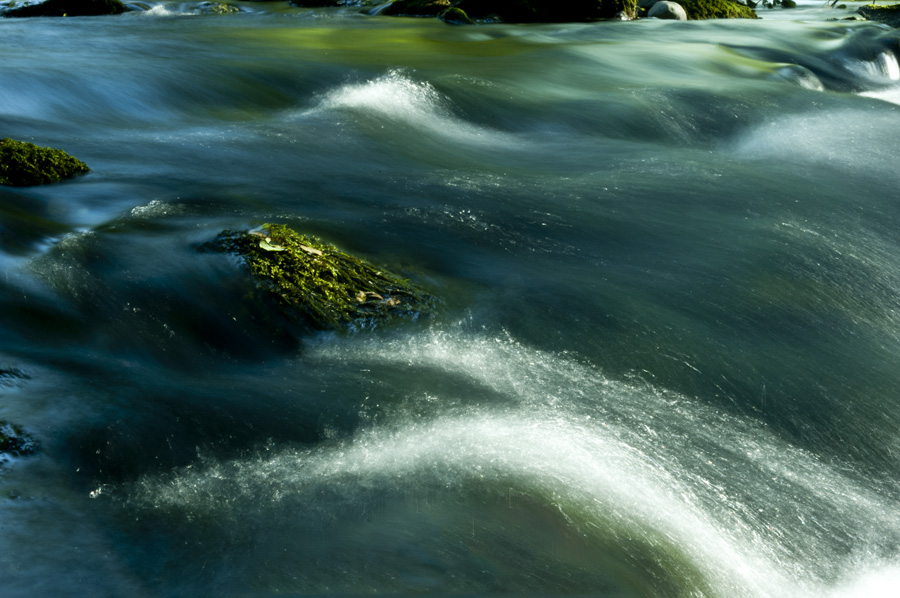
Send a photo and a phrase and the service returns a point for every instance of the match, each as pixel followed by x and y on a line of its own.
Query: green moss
pixel 319 286
pixel 889 14
pixel 881 8
pixel 14 441
pixel 455 16
pixel 716 9
pixel 217 8
pixel 68 8
pixel 23 164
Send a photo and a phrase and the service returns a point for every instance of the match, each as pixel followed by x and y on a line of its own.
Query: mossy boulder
pixel 889 14
pixel 455 16
pixel 320 287
pixel 14 441
pixel 716 9
pixel 23 164
pixel 68 8
pixel 217 8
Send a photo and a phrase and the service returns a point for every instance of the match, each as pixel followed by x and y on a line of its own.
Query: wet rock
pixel 320 287
pixel 665 9
pixel 888 14
pixel 455 16
pixel 68 8
pixel 23 164
pixel 217 8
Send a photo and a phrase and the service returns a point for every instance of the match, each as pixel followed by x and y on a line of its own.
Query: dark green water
pixel 666 360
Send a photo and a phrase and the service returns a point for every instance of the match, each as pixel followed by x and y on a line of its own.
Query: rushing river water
pixel 665 361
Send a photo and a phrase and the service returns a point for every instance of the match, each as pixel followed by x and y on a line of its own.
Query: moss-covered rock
pixel 716 9
pixel 889 14
pixel 318 286
pixel 23 164
pixel 217 8
pixel 68 8
pixel 455 16
pixel 14 441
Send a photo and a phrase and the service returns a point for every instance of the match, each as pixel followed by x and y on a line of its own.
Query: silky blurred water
pixel 665 358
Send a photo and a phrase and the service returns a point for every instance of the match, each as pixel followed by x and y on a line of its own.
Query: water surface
pixel 665 362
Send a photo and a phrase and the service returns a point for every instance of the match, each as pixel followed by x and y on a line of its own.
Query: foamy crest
pixel 399 100
pixel 756 516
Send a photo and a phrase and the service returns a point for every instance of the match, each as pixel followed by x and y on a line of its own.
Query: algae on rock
pixel 23 164
pixel 889 14
pixel 716 9
pixel 317 285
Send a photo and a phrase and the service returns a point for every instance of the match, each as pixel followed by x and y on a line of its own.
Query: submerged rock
pixel 68 8
pixel 23 164
pixel 14 441
pixel 888 14
pixel 318 286
pixel 665 9
pixel 217 8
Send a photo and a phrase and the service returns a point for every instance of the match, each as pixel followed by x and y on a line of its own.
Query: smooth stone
pixel 666 9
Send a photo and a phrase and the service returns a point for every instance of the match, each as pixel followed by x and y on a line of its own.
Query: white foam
pixel 879 582
pixel 397 99
pixel 845 138
pixel 891 95
pixel 680 475
pixel 884 66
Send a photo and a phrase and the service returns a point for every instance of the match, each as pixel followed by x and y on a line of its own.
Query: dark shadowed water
pixel 666 358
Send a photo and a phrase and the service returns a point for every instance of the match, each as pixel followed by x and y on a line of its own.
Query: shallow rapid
pixel 664 361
